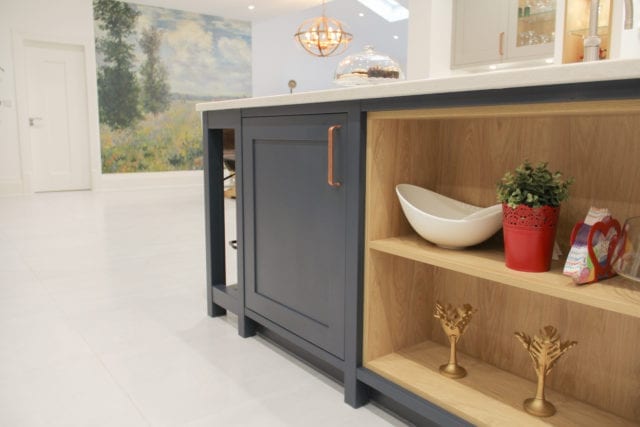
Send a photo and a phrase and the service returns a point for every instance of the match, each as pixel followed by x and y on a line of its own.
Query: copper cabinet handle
pixel 330 180
pixel 501 44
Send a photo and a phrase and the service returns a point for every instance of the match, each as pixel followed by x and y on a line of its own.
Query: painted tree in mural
pixel 155 88
pixel 154 65
pixel 118 88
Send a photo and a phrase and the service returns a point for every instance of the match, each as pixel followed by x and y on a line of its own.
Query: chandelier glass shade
pixel 323 36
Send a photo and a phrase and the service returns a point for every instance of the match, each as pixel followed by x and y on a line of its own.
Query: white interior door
pixel 58 128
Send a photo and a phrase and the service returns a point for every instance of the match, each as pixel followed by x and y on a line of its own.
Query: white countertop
pixel 499 79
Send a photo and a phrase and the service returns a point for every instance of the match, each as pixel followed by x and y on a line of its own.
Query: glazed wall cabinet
pixel 461 153
pixel 493 31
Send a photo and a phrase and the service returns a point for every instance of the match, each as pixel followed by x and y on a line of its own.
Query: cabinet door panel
pixel 477 28
pixel 492 31
pixel 295 226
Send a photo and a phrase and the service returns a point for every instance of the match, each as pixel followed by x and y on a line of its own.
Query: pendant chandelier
pixel 323 36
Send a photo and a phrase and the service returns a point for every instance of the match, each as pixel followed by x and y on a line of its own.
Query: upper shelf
pixel 546 16
pixel 583 32
pixel 615 294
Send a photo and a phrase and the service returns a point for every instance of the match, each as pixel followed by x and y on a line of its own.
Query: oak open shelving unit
pixel 462 153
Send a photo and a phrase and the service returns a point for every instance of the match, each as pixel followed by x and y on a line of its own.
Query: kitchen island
pixel 329 267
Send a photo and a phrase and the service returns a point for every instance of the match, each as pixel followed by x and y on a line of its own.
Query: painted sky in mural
pixel 206 56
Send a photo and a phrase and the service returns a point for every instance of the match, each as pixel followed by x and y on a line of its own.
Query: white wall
pixel 429 47
pixel 625 43
pixel 277 58
pixel 61 21
pixel 66 21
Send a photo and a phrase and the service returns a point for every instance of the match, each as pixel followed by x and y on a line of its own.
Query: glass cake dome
pixel 367 67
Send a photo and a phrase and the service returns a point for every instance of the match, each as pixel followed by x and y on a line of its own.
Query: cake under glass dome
pixel 367 67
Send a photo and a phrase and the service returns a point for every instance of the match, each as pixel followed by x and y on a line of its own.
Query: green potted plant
pixel 531 197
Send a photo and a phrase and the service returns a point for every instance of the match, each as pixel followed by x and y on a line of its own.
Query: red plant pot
pixel 529 234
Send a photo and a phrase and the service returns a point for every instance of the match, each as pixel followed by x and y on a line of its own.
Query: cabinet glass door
pixel 534 31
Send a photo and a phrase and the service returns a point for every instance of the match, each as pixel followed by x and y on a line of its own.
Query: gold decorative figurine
pixel 545 350
pixel 454 321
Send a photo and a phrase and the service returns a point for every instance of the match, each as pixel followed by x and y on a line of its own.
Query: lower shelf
pixel 227 297
pixel 487 395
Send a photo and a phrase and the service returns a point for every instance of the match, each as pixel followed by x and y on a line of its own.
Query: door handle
pixel 330 179
pixel 34 121
pixel 501 44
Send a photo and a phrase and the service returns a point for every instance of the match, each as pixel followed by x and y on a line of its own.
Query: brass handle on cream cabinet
pixel 501 44
pixel 330 179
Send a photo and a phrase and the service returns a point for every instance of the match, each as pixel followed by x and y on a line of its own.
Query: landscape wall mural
pixel 154 65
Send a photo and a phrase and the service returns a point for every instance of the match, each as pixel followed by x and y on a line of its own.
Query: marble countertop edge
pixel 499 79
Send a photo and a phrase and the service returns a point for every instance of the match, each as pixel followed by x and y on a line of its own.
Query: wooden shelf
pixel 487 396
pixel 583 32
pixel 615 294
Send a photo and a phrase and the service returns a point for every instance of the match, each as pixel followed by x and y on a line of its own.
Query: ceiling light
pixel 323 36
pixel 390 10
pixel 360 14
pixel 493 67
pixel 396 37
pixel 549 60
pixel 251 7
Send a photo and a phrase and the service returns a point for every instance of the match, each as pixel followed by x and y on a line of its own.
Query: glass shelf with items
pixel 548 15
pixel 536 23
pixel 529 8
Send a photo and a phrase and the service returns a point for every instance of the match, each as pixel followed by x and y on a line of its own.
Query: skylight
pixel 390 10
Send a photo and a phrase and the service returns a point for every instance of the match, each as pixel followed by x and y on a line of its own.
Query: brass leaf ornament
pixel 454 321
pixel 545 350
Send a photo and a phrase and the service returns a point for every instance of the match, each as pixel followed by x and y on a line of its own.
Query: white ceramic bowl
pixel 447 222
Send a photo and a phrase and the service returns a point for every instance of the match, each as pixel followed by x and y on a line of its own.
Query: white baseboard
pixel 122 181
pixel 146 180
pixel 11 187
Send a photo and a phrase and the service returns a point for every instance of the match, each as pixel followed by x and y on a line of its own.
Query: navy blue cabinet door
pixel 295 225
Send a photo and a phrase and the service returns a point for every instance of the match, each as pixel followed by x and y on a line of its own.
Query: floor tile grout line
pixel 64 317
pixel 123 389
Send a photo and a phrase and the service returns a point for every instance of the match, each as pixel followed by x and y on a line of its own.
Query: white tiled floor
pixel 103 323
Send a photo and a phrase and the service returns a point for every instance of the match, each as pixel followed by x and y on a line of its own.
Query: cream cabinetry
pixel 479 29
pixel 493 31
